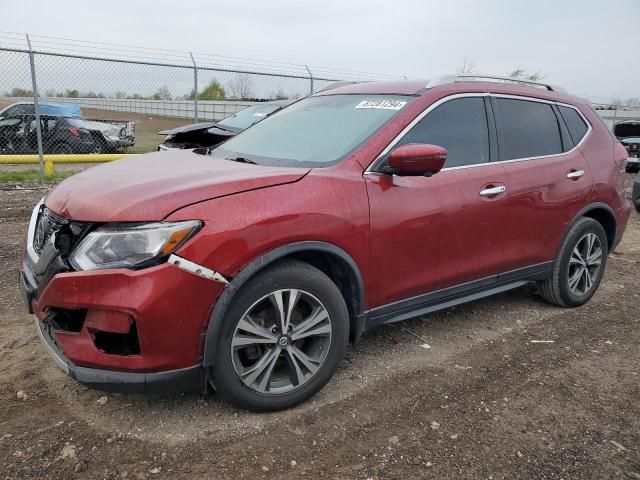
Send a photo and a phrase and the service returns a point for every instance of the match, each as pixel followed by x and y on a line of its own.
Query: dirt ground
pixel 484 402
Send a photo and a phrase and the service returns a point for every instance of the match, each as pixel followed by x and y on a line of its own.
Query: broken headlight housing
pixel 131 246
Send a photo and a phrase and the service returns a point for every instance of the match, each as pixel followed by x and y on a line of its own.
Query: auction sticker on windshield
pixel 382 104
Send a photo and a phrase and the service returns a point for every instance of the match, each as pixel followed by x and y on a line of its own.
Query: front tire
pixel 579 267
pixel 283 337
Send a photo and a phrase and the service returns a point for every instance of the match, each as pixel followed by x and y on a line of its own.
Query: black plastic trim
pixel 250 270
pixel 457 294
pixel 590 208
pixel 493 131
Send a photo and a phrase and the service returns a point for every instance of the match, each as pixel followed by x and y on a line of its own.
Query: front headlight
pixel 122 246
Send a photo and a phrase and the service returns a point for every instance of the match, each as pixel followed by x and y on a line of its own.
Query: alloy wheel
pixel 281 341
pixel 584 264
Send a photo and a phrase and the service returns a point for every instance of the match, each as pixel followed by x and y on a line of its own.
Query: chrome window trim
pixel 426 111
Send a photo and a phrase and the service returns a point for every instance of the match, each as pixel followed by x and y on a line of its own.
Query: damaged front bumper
pixel 169 334
pixel 181 380
pixel 120 329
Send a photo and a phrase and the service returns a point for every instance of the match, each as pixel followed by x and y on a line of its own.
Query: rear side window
pixel 527 129
pixel 575 123
pixel 458 125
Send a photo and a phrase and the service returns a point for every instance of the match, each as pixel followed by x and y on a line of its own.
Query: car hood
pixel 630 140
pixel 150 187
pixel 208 126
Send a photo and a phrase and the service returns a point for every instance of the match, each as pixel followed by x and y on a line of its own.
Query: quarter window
pixel 527 129
pixel 460 126
pixel 575 123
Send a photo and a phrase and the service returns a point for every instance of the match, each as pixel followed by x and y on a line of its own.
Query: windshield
pixel 248 116
pixel 315 132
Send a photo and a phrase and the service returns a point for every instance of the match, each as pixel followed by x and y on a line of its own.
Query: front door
pixel 429 233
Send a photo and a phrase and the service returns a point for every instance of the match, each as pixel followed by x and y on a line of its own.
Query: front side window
pixel 460 126
pixel 314 132
pixel 527 129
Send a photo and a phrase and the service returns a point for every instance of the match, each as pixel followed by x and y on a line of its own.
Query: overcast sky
pixel 589 46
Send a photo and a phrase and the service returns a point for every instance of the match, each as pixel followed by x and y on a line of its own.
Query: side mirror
pixel 417 159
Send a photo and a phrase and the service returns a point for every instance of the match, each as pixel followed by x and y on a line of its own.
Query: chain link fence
pixel 109 98
pixel 105 98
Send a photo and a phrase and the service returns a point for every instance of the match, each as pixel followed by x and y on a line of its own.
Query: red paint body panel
pixel 407 235
pixel 329 205
pixel 542 202
pixel 151 186
pixel 170 307
pixel 607 169
pixel 431 232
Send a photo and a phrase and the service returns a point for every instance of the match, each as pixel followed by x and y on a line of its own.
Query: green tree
pixel 468 67
pixel 522 74
pixel 213 91
pixel 162 94
pixel 72 93
pixel 20 92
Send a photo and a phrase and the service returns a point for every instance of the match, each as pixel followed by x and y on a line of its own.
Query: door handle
pixel 488 192
pixel 575 174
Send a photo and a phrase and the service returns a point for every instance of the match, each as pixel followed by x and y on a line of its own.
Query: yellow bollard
pixel 49 169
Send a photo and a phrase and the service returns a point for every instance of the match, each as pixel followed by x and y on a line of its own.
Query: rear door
pixel 549 180
pixel 428 233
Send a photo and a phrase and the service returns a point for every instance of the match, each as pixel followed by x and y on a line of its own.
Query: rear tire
pixel 283 337
pixel 579 267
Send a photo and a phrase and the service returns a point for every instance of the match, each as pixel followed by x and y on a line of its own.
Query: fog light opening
pixel 117 343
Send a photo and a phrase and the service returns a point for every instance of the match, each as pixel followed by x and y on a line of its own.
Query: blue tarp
pixel 69 110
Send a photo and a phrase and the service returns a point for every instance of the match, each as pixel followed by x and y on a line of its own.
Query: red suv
pixel 249 267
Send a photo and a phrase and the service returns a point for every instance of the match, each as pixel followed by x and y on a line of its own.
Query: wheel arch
pixel 603 214
pixel 330 259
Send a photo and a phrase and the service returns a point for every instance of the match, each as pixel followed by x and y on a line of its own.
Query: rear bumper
pixel 182 380
pixel 122 142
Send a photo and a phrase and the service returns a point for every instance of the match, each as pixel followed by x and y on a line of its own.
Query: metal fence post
pixel 36 107
pixel 310 78
pixel 195 89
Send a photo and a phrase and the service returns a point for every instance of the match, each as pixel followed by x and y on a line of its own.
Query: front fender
pixel 225 299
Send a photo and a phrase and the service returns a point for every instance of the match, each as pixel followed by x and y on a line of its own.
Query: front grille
pixel 47 225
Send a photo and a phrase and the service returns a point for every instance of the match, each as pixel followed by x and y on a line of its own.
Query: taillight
pixel 74 131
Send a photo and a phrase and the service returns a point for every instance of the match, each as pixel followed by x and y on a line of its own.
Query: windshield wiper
pixel 241 160
pixel 223 128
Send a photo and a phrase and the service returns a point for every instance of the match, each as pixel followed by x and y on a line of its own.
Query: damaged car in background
pixel 210 134
pixel 64 130
pixel 628 132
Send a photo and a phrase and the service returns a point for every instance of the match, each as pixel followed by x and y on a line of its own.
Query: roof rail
pixel 445 79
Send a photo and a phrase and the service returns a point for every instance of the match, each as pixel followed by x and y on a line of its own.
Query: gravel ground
pixel 485 401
